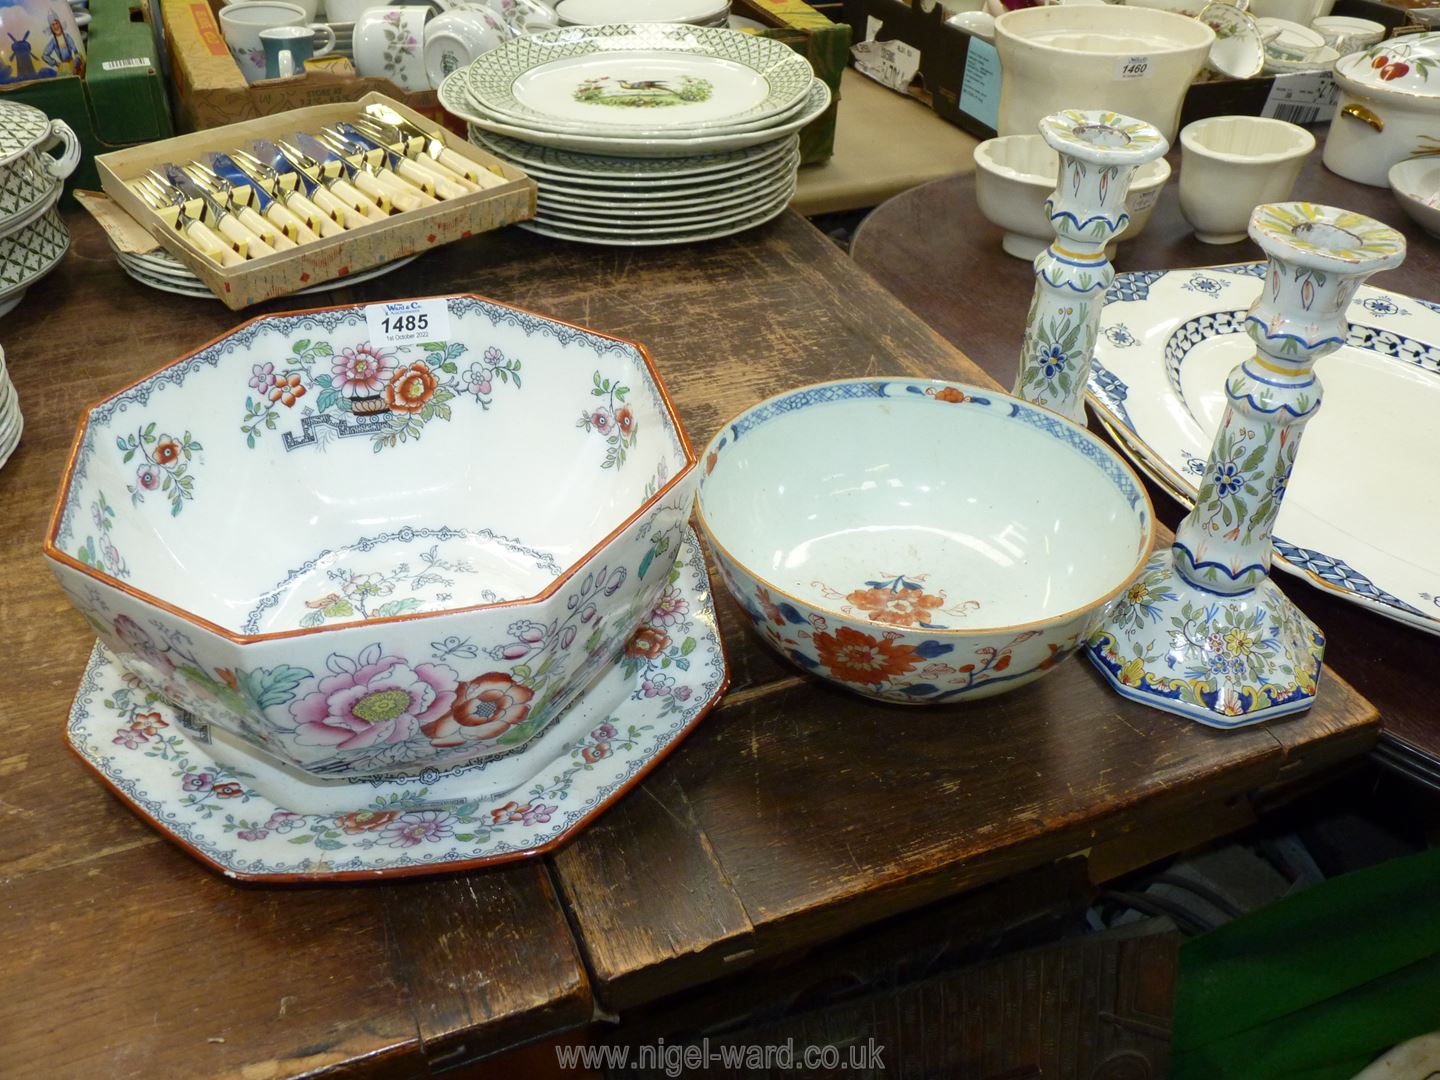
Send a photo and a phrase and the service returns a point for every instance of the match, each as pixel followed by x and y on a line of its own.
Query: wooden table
pixel 933 249
pixel 793 813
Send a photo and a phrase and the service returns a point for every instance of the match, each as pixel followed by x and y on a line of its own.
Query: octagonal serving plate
pixel 1360 509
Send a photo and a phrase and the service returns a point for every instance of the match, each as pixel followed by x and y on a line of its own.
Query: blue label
pixel 980 87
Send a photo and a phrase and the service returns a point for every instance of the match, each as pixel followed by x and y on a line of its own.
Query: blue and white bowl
pixel 919 541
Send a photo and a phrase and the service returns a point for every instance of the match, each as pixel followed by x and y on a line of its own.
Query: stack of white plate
pixel 11 422
pixel 161 270
pixel 600 12
pixel 674 132
pixel 344 38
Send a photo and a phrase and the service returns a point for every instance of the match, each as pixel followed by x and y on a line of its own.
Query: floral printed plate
pixel 1359 516
pixel 203 791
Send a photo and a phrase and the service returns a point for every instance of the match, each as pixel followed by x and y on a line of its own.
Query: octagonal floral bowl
pixel 368 560
pixel 917 541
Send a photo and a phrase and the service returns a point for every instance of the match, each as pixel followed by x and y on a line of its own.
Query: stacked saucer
pixel 344 38
pixel 11 422
pixel 600 12
pixel 643 133
pixel 33 239
pixel 161 270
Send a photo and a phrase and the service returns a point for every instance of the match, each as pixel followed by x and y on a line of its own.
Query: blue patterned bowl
pixel 918 541
pixel 365 560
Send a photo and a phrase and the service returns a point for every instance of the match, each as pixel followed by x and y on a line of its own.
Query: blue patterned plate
pixel 1360 515
pixel 232 809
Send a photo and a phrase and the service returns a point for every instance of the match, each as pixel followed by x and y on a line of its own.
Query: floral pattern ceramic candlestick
pixel 1204 632
pixel 1099 153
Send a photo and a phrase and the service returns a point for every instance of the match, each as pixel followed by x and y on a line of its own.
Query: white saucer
pixel 161 270
pixel 166 766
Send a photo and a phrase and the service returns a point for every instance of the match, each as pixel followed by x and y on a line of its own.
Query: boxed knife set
pixel 270 206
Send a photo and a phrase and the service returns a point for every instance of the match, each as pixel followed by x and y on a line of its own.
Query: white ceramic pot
pixel 1231 164
pixel 29 175
pixel 389 44
pixel 241 24
pixel 1015 174
pixel 1389 108
pixel 1129 60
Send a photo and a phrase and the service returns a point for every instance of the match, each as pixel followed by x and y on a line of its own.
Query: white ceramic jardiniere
pixel 1389 108
pixel 1232 164
pixel 1015 175
pixel 1204 632
pixel 899 576
pixel 1124 59
pixel 366 559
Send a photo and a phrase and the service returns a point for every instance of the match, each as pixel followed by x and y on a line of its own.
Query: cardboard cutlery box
pixel 329 258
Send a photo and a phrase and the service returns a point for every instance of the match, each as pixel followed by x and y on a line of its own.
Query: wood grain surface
pixel 793 814
pixel 934 250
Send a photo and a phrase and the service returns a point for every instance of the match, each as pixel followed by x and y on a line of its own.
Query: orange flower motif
pixel 363 821
pixel 860 658
pixel 771 609
pixel 286 389
pixel 647 642
pixel 485 708
pixel 228 790
pixel 510 812
pixel 229 677
pixel 625 420
pixel 167 451
pixel 949 393
pixel 903 608
pixel 592 754
pixel 410 388
pixel 147 723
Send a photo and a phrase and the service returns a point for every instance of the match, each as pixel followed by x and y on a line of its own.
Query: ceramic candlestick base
pixel 1099 153
pixel 1204 632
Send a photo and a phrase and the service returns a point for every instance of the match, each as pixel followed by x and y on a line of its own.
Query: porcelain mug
pixel 241 24
pixel 286 50
pixel 388 44
pixel 455 38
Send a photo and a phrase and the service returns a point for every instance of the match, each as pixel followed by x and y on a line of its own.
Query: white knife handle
pixel 264 229
pixel 375 191
pixel 318 219
pixel 204 238
pixel 295 227
pixel 404 195
pixel 346 215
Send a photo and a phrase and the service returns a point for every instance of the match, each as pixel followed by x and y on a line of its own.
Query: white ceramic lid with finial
pixel 1389 108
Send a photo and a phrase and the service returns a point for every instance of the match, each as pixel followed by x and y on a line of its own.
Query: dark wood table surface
pixel 935 251
pixel 792 814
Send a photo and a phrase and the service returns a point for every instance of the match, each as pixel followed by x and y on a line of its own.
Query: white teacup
pixel 389 43
pixel 241 24
pixel 349 11
pixel 310 7
pixel 1346 35
pixel 455 38
pixel 1231 164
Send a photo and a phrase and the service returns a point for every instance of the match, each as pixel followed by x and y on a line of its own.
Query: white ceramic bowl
pixel 1231 164
pixel 367 561
pixel 1015 174
pixel 1127 59
pixel 1346 35
pixel 918 541
pixel 1416 184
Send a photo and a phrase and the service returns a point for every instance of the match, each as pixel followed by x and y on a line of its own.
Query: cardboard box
pixel 945 65
pixel 332 257
pixel 210 91
pixel 120 101
pixel 824 43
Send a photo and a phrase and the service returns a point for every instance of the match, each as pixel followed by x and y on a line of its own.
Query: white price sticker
pixel 1132 67
pixel 406 322
pixel 1141 201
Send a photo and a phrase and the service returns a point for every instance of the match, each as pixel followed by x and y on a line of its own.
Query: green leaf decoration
pixel 339 610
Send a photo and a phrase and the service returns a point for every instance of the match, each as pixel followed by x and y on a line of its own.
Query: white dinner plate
pixel 1361 506
pixel 688 197
pixel 604 227
pixel 747 202
pixel 560 232
pixel 630 174
pixel 639 76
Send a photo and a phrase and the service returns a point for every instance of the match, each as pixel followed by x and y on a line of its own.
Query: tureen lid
pixel 1408 65
pixel 22 128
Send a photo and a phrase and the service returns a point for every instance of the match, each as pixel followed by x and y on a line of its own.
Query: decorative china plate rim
pixel 542 228
pixel 782 184
pixel 657 179
pixel 692 199
pixel 780 196
pixel 626 768
pixel 1110 396
pixel 490 79
pixel 52 550
pixel 969 391
pixel 816 103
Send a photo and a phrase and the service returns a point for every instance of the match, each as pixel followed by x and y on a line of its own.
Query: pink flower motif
pixel 603 732
pixel 251 834
pixel 602 420
pixel 129 738
pixel 284 821
pixel 362 371
pixel 681 693
pixel 148 477
pixel 372 700
pixel 671 608
pixel 201 781
pixel 539 812
pixel 260 376
pixel 417 827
